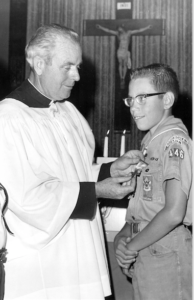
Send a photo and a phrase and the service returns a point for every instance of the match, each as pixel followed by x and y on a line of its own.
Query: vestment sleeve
pixel 40 202
pixel 104 171
pixel 87 202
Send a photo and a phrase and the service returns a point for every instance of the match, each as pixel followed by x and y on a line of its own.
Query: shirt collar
pixel 30 96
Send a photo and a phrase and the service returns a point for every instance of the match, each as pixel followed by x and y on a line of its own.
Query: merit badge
pixel 138 168
pixel 147 187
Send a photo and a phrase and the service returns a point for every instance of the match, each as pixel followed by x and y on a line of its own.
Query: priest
pixel 57 248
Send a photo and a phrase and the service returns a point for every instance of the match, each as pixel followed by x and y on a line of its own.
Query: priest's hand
pixel 125 165
pixel 115 188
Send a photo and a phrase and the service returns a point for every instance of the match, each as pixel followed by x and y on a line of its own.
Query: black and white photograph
pixel 96 149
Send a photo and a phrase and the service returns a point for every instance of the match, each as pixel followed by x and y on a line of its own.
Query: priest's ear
pixel 39 64
pixel 168 100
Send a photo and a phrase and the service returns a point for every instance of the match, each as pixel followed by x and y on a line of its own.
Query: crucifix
pixel 123 28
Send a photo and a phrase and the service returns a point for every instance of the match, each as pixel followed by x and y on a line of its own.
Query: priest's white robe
pixel 44 154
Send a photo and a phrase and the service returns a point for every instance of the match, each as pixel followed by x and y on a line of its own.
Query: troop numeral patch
pixel 176 152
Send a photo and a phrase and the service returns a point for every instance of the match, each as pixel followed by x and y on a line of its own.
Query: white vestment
pixel 44 154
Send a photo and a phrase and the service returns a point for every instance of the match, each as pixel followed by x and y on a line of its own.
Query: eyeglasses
pixel 141 99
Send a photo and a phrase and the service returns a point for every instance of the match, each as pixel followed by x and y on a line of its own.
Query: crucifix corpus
pixel 123 28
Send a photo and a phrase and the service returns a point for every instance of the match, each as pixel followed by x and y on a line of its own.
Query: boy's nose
pixel 134 105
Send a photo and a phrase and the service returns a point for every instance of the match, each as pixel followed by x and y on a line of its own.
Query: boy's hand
pixel 129 272
pixel 124 256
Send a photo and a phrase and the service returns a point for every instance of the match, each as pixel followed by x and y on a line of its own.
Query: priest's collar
pixel 29 95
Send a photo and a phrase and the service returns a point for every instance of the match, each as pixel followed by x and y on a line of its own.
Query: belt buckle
pixel 135 228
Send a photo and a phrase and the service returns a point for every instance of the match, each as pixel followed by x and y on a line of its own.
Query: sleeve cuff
pixel 104 171
pixel 86 204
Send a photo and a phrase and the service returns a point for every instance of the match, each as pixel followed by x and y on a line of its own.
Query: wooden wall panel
pixel 94 95
pixel 17 42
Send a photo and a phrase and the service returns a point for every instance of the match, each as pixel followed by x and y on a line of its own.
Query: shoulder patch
pixel 176 152
pixel 175 139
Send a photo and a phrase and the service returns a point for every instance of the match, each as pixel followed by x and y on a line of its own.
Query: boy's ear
pixel 39 64
pixel 168 100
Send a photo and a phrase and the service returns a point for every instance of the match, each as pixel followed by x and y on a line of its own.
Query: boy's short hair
pixel 162 77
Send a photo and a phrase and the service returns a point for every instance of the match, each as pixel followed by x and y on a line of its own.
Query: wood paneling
pixel 17 42
pixel 94 95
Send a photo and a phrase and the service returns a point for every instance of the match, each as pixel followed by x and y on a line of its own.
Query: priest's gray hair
pixel 44 40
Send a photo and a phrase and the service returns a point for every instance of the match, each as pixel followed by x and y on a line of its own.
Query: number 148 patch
pixel 176 152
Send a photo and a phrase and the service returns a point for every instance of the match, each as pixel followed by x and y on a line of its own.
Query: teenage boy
pixel 160 210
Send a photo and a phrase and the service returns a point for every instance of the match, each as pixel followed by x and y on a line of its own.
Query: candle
pixel 122 149
pixel 105 152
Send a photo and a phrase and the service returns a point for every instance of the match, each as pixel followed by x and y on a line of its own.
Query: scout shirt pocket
pixel 152 183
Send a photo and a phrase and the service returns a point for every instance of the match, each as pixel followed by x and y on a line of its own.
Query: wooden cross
pixel 123 28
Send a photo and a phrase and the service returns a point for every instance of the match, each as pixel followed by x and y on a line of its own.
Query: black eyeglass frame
pixel 144 97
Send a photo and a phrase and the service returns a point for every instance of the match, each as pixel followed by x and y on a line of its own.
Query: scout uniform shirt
pixel 169 155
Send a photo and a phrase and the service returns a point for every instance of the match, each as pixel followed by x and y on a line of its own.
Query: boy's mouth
pixel 137 117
